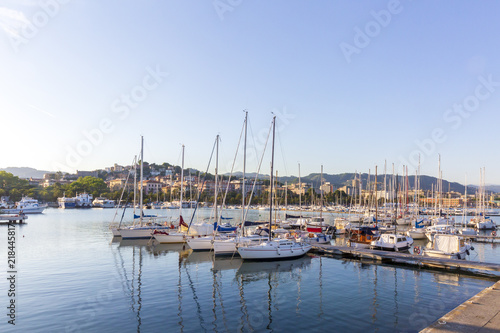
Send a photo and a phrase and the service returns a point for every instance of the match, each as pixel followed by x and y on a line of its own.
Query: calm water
pixel 73 278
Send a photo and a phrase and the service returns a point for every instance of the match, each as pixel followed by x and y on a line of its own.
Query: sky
pixel 354 85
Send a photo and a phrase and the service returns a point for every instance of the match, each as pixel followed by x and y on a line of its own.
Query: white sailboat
pixel 145 228
pixel 203 241
pixel 273 249
pixel 172 236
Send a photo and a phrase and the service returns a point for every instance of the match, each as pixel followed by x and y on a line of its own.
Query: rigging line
pixel 253 139
pixel 230 174
pixel 203 184
pixel 282 153
pixel 257 173
pixel 121 196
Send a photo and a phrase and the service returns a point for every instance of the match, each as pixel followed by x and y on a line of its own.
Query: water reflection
pixel 267 276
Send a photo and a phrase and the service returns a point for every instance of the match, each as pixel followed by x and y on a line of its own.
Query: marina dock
pixel 13 218
pixel 481 313
pixel 421 261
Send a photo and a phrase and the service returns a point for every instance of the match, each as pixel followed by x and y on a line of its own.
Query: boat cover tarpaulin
pixel 446 243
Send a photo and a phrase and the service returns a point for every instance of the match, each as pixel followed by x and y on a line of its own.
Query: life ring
pixel 494 233
pixel 416 249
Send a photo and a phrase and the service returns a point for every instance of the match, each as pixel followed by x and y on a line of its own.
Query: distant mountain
pixel 25 172
pixel 339 180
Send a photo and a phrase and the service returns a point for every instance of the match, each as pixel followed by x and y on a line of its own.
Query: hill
pixel 25 172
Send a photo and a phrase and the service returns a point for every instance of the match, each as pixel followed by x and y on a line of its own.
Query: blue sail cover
pixel 419 224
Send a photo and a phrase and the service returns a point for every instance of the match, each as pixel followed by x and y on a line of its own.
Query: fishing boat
pixel 392 242
pixel 273 249
pixel 448 246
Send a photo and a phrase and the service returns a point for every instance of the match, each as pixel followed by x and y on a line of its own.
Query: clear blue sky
pixel 354 83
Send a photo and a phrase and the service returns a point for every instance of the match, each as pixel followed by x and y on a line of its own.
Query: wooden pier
pixel 481 313
pixel 13 218
pixel 407 259
pixel 482 238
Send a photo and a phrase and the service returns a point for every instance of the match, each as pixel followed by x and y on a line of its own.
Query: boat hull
pixel 140 232
pixel 268 251
pixel 170 238
pixel 200 243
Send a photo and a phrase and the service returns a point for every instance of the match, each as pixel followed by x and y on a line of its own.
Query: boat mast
pixel 135 182
pixel 244 170
pixel 216 176
pixel 321 191
pixel 376 196
pixel 271 183
pixel 182 184
pixel 142 174
pixel 300 193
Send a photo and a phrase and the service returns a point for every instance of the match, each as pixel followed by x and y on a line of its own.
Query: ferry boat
pixel 84 200
pixel 66 203
pixel 27 205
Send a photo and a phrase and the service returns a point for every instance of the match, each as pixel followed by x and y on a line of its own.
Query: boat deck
pixel 407 259
pixel 481 313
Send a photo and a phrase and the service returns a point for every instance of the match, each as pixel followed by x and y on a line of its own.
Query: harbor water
pixel 71 276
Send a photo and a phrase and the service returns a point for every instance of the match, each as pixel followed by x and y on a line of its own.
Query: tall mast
pixel 216 176
pixel 321 191
pixel 300 192
pixel 142 173
pixel 271 183
pixel 135 182
pixel 385 182
pixel 244 170
pixel 376 196
pixel 182 182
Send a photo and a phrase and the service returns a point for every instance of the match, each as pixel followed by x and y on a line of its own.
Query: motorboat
pixel 448 246
pixel 26 205
pixel 392 242
pixel 102 202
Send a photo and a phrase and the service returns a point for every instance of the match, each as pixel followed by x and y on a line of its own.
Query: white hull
pixel 37 210
pixel 274 250
pixel 229 246
pixel 116 232
pixel 171 238
pixel 441 254
pixel 200 243
pixel 140 232
pixel 416 234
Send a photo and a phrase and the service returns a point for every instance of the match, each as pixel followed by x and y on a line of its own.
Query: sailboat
pixel 173 236
pixel 314 230
pixel 143 229
pixel 203 241
pixel 227 245
pixel 273 248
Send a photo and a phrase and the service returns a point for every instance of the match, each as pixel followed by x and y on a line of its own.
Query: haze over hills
pixel 25 172
pixel 337 180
